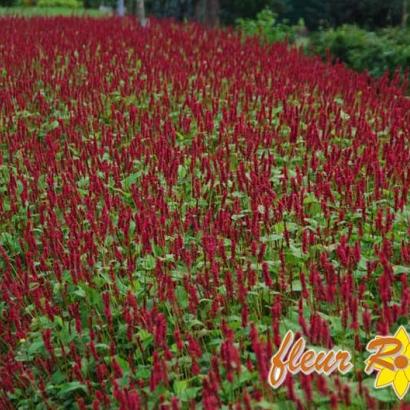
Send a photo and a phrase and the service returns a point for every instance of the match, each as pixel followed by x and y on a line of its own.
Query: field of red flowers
pixel 173 200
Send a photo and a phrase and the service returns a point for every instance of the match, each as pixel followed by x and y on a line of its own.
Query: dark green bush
pixel 333 13
pixel 7 3
pixel 376 52
pixel 232 10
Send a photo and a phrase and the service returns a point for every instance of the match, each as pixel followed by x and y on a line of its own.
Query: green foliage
pixel 267 26
pixel 317 14
pixel 231 10
pixel 376 52
pixel 73 4
pixel 332 13
pixel 7 3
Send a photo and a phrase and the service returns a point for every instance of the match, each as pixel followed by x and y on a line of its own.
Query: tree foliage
pixel 332 13
pixel 316 13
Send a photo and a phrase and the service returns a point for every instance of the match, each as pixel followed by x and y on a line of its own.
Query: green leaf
pixel 149 262
pixel 180 386
pixel 130 180
pixel 53 125
pixel 80 292
pixel 296 286
pixel 189 394
pixel 181 172
pixel 146 338
pixel 401 269
pixel 71 387
pixel 182 297
pixel 36 347
pixel 57 377
pixel 123 364
pixel 296 252
pixel 271 238
pixel 142 373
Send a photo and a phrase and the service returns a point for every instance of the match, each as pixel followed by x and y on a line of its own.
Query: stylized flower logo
pixel 391 361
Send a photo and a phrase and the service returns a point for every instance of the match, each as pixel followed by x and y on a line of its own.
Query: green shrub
pixel 73 4
pixel 7 3
pixel 231 10
pixel 376 52
pixel 267 26
pixel 333 13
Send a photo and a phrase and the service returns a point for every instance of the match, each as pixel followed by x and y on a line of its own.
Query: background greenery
pixel 375 51
pixel 378 51
pixel 316 13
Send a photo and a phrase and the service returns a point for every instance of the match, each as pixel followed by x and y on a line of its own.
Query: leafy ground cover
pixel 173 200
